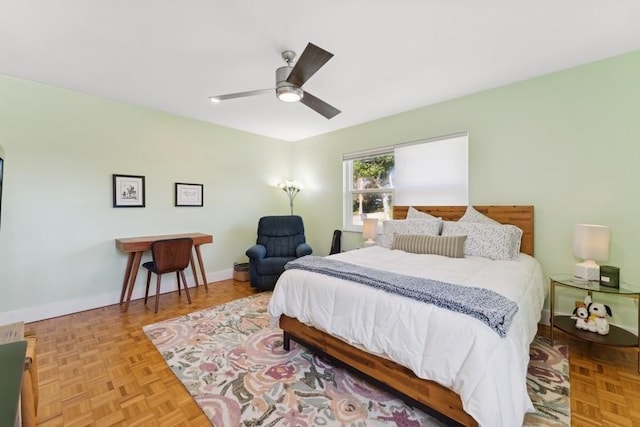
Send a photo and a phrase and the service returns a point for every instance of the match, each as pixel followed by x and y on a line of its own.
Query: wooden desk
pixel 135 246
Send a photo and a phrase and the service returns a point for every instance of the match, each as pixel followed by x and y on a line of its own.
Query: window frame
pixel 348 192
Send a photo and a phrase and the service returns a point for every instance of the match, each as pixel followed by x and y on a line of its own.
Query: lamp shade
pixel 591 242
pixel 369 230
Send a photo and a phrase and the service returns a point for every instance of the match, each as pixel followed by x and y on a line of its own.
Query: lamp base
pixel 369 242
pixel 587 270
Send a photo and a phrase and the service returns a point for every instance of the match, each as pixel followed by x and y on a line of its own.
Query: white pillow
pixel 414 213
pixel 408 226
pixel 487 240
pixel 472 215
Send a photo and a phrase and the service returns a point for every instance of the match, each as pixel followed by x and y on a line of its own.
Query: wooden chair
pixel 169 255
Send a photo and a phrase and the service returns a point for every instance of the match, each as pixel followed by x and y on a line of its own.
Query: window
pixel 428 172
pixel 369 188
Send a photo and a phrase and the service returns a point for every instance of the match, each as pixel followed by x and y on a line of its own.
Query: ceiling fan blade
pixel 219 98
pixel 310 61
pixel 319 106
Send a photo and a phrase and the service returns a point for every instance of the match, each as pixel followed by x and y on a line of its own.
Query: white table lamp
pixel 590 243
pixel 369 231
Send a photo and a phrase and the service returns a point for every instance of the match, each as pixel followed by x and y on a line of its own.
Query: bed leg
pixel 286 341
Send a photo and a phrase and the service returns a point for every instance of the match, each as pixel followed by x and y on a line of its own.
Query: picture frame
pixel 128 191
pixel 189 194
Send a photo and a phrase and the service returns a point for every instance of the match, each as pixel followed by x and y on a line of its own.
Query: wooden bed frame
pixel 427 395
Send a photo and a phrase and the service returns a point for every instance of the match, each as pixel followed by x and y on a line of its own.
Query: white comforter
pixel 453 349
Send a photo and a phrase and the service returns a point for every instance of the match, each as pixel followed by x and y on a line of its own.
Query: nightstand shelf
pixel 617 336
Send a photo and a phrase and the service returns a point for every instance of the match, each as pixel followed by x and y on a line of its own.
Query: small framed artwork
pixel 128 191
pixel 189 194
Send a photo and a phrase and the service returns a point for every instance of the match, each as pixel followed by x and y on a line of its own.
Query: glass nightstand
pixel 617 336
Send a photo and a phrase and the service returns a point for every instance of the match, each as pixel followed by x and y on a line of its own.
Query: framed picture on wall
pixel 189 194
pixel 128 191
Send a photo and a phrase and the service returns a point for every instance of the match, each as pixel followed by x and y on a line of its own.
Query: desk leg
pixel 204 276
pixel 193 269
pixel 135 265
pixel 127 273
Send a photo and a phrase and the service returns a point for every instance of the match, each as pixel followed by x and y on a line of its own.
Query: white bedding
pixel 453 349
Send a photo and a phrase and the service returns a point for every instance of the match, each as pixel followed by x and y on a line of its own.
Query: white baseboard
pixel 544 318
pixel 61 308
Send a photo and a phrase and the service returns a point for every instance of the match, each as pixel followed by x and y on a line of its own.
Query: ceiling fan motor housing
pixel 286 91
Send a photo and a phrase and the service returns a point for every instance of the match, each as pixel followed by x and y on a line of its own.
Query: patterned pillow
pixel 451 246
pixel 487 240
pixel 472 215
pixel 408 226
pixel 414 213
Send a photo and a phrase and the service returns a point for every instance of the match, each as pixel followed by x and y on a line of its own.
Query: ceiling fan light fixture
pixel 287 93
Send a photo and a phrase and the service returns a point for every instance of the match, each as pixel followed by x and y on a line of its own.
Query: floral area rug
pixel 232 362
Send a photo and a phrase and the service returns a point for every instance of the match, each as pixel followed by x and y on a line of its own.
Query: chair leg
pixel 146 293
pixel 184 283
pixel 178 280
pixel 158 292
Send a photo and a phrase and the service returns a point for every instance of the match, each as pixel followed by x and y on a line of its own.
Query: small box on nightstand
pixel 610 276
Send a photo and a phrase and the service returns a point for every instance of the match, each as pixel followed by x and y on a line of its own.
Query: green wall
pixel 57 251
pixel 566 143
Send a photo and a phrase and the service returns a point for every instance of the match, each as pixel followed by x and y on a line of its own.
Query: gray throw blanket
pixel 495 310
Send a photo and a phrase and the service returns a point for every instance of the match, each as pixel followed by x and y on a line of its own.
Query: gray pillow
pixel 451 246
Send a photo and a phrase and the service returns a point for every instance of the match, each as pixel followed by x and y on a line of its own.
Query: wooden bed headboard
pixel 520 216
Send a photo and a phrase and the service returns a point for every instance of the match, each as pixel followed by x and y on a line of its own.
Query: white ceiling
pixel 390 56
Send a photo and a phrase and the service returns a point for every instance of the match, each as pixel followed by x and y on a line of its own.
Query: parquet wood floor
pixel 605 383
pixel 97 368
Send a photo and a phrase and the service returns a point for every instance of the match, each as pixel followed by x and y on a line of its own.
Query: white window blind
pixel 432 172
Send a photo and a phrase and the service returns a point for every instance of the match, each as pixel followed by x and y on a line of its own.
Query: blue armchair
pixel 280 240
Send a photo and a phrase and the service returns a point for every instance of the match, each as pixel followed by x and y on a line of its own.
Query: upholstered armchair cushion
pixel 303 249
pixel 280 240
pixel 256 252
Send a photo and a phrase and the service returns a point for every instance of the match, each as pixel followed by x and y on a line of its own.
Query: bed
pixel 476 378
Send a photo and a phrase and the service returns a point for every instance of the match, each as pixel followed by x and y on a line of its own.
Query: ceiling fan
pixel 290 78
